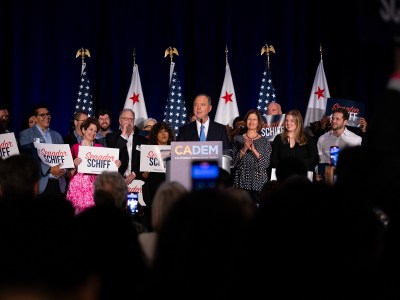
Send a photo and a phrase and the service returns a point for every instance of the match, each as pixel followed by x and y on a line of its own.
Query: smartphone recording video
pixel 133 202
pixel 204 174
pixel 334 155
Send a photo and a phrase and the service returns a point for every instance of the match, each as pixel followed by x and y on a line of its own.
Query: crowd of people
pixel 70 235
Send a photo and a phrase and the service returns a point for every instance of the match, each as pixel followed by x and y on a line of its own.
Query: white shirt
pixel 129 143
pixel 325 141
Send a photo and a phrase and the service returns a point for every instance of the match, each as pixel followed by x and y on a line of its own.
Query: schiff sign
pixel 8 145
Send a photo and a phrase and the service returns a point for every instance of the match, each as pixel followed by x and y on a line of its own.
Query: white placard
pixel 97 159
pixel 136 187
pixel 55 154
pixel 153 158
pixel 8 145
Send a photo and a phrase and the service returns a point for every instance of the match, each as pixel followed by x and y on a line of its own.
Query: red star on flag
pixel 227 97
pixel 320 93
pixel 134 98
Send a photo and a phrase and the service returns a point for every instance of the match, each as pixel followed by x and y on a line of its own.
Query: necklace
pixel 247 134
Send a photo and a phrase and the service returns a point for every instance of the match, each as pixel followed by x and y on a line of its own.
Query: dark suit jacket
pixel 216 132
pixel 114 140
pixel 70 139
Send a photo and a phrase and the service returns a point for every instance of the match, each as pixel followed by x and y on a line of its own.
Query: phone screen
pixel 204 174
pixel 334 152
pixel 133 200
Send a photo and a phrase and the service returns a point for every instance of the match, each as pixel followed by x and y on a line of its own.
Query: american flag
pixel 84 102
pixel 175 110
pixel 267 91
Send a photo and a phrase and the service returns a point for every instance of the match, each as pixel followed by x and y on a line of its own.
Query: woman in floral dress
pixel 81 185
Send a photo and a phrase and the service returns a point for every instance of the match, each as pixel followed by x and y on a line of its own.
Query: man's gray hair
pixel 113 183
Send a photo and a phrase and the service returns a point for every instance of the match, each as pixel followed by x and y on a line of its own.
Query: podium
pixel 183 153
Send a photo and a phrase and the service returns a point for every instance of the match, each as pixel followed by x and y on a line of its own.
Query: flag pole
pixel 134 56
pixel 171 51
pixel 320 50
pixel 226 54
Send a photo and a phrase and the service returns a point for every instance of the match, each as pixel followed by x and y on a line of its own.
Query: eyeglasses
pixel 128 119
pixel 6 117
pixel 44 115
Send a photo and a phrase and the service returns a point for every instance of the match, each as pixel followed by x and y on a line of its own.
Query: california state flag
pixel 134 99
pixel 227 109
pixel 318 98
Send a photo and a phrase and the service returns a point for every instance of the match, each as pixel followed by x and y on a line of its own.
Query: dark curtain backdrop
pixel 40 40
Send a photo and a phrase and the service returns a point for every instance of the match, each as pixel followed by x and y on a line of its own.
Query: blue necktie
pixel 202 133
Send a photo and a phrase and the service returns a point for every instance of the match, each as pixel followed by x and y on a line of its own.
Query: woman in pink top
pixel 81 185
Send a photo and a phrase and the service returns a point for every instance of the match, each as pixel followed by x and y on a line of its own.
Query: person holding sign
pixel 52 183
pixel 160 134
pixel 81 186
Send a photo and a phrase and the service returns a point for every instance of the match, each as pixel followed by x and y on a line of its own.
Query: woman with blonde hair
pixel 165 198
pixel 293 142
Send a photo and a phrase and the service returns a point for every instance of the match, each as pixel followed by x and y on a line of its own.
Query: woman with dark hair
pixel 160 134
pixel 81 186
pixel 251 156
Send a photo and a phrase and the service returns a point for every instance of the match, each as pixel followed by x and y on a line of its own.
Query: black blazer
pixel 70 139
pixel 216 132
pixel 115 140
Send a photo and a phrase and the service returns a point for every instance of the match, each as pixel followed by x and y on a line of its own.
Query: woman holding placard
pixel 81 186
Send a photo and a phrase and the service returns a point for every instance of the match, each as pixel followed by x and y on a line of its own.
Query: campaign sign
pixel 136 187
pixel 97 159
pixel 273 125
pixel 153 158
pixel 8 145
pixel 182 154
pixel 55 154
pixel 355 109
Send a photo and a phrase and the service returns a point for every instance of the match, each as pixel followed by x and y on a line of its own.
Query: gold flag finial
pixel 82 52
pixel 320 50
pixel 171 51
pixel 267 49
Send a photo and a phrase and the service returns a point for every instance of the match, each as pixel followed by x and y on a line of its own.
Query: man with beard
pixel 339 135
pixel 104 118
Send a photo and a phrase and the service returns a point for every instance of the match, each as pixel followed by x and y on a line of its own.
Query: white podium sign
pixel 182 155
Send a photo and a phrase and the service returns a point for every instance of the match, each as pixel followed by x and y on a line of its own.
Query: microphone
pixel 201 121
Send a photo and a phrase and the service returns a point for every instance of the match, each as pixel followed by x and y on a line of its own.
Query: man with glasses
pixel 75 134
pixel 52 181
pixel 128 144
pixel 4 119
